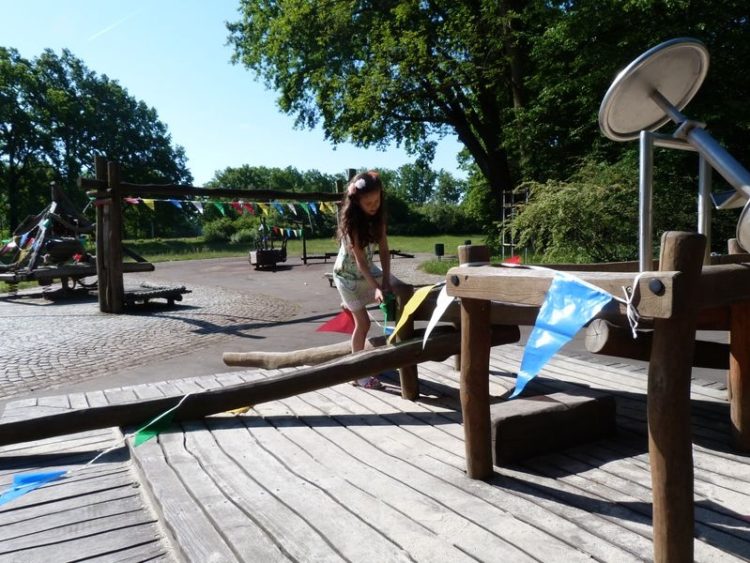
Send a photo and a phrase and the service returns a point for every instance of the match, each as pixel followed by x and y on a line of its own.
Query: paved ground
pixel 53 347
pixel 67 345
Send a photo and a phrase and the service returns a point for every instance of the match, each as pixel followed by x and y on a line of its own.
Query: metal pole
pixel 704 204
pixel 645 208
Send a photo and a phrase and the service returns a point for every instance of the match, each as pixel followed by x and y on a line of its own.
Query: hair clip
pixel 358 185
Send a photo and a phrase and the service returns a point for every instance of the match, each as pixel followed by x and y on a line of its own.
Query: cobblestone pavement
pixel 47 343
pixel 54 344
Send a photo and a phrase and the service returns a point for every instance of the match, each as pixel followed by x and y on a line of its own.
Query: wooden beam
pixel 97 187
pixel 603 337
pixel 102 226
pixel 199 405
pixel 738 378
pixel 116 286
pixel 739 375
pixel 668 406
pixel 524 286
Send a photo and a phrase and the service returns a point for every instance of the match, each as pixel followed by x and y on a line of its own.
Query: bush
pixel 219 230
pixel 244 236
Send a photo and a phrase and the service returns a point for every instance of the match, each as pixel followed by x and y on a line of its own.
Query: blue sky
pixel 172 54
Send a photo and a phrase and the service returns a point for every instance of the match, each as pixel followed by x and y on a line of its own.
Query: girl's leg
pixel 361 328
pixel 359 337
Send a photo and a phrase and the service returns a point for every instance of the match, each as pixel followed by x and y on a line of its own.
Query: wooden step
pixel 530 426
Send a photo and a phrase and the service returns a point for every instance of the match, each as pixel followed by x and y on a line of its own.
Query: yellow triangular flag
pixel 149 203
pixel 263 207
pixel 411 306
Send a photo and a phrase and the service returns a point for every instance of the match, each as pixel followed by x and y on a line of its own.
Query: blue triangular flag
pixel 570 303
pixel 23 484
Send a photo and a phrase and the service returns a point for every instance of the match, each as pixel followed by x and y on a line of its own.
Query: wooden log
pixel 408 374
pixel 470 255
pixel 116 286
pixel 603 337
pixel 669 433
pixel 199 405
pixel 102 226
pixel 276 360
pixel 294 358
pixel 537 425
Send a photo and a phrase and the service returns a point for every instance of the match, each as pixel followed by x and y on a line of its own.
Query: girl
pixel 361 223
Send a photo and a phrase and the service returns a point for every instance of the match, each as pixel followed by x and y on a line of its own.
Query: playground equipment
pixel 108 189
pixel 49 246
pixel 652 91
pixel 220 400
pixel 265 255
pixel 684 295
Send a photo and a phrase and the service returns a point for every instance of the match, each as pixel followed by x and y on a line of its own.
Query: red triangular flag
pixel 343 322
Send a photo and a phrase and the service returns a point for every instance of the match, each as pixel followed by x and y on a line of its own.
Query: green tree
pixel 21 140
pixel 397 71
pixel 448 188
pixel 416 182
pixel 57 115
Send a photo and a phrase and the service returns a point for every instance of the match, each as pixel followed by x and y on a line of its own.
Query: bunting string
pixel 25 483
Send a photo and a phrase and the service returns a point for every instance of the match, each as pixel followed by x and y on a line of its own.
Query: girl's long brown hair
pixel 355 223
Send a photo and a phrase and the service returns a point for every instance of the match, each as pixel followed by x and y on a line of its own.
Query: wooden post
pixel 470 254
pixel 669 433
pixel 115 289
pixel 738 380
pixel 475 385
pixel 408 374
pixel 102 247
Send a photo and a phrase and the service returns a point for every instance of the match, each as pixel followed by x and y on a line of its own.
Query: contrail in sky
pixel 111 27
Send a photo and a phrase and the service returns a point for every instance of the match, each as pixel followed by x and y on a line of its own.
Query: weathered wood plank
pixel 401 456
pixel 237 522
pixel 241 472
pixel 194 535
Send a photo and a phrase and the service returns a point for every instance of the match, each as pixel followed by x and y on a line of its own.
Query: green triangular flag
pixel 157 425
pixel 153 429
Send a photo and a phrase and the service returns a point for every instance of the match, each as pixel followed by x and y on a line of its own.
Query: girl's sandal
pixel 372 383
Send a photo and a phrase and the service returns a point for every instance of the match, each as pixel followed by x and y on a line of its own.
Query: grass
pixel 163 250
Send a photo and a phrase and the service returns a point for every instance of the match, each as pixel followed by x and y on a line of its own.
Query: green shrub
pixel 244 236
pixel 219 230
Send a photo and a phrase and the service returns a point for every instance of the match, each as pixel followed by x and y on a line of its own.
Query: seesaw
pixel 199 405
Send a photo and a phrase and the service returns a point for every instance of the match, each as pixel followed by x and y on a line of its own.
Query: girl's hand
pixel 379 295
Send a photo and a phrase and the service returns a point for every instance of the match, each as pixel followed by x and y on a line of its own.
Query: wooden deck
pixel 345 474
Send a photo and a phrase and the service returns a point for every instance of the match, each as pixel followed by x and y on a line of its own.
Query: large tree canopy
pixel 395 71
pixel 519 81
pixel 56 116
